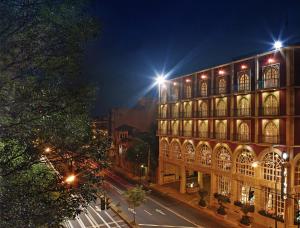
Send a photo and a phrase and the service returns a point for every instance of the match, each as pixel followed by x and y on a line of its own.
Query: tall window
pixel 271 133
pixel 221 108
pixel 176 151
pixel 272 167
pixel 163 127
pixel 202 129
pixel 175 127
pixel 221 130
pixel 203 109
pixel 223 159
pixel 164 111
pixel 269 202
pixel 187 128
pixel 244 81
pixel 175 110
pixel 243 107
pixel 204 155
pixel 243 193
pixel 188 90
pixel 189 152
pixel 163 95
pixel 222 85
pixel 165 149
pixel 203 89
pixel 187 109
pixel 243 132
pixel 271 76
pixel 297 173
pixel 244 163
pixel 175 93
pixel 224 185
pixel 271 105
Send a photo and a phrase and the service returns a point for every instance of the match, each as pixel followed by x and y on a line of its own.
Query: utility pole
pixel 148 165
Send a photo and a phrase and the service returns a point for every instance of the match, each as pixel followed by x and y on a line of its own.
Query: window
pixel 175 128
pixel 163 95
pixel 271 133
pixel 271 105
pixel 203 129
pixel 176 151
pixel 221 108
pixel 187 109
pixel 271 76
pixel 269 202
pixel 175 92
pixel 224 185
pixel 223 159
pixel 244 81
pixel 204 155
pixel 164 149
pixel 244 163
pixel 271 167
pixel 203 89
pixel 297 208
pixel 188 90
pixel 203 109
pixel 189 152
pixel 297 173
pixel 243 193
pixel 243 107
pixel 243 132
pixel 163 127
pixel 164 111
pixel 221 130
pixel 175 110
pixel 187 128
pixel 222 85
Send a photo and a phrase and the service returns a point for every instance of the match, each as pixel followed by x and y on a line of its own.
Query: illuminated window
pixel 187 109
pixel 175 128
pixel 203 109
pixel 188 90
pixel 203 129
pixel 175 110
pixel 271 105
pixel 221 130
pixel 244 107
pixel 164 111
pixel 243 132
pixel 271 133
pixel 297 173
pixel 271 76
pixel 187 128
pixel 175 92
pixel 165 149
pixel 163 127
pixel 222 85
pixel 271 166
pixel 224 185
pixel 223 159
pixel 244 81
pixel 244 163
pixel 221 108
pixel 269 202
pixel 203 89
pixel 189 152
pixel 176 151
pixel 204 155
pixel 243 193
pixel 163 95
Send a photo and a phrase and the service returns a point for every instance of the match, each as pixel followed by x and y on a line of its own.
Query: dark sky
pixel 140 38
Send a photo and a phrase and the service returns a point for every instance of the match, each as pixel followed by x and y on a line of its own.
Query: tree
pixel 45 104
pixel 135 197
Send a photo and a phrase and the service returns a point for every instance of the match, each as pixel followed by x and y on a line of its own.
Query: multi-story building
pixel 226 128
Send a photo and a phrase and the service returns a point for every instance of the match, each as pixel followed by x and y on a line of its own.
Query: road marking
pixel 148 212
pixel 91 222
pixel 98 208
pixel 100 217
pixel 117 189
pixel 160 211
pixel 169 226
pixel 131 210
pixel 81 224
pixel 112 219
pixel 180 216
pixel 70 224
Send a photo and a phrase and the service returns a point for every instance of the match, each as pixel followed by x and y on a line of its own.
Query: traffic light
pixel 102 203
pixel 251 194
pixel 107 202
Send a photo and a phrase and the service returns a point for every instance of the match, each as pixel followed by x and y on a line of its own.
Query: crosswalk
pixel 93 217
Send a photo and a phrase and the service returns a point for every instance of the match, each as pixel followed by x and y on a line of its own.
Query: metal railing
pixel 220 135
pixel 269 111
pixel 271 139
pixel 268 83
pixel 201 114
pixel 220 112
pixel 241 137
pixel 242 112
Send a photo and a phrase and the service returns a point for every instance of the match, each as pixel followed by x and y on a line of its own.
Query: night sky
pixel 140 38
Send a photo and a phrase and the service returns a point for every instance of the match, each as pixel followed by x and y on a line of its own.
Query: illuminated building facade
pixel 215 124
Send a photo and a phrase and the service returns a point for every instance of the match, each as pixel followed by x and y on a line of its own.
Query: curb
pixel 123 216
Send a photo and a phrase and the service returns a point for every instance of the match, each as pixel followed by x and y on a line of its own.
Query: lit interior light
pixel 70 179
pixel 270 60
pixel 174 83
pixel 187 80
pixel 285 155
pixel 277 44
pixel 203 76
pixel 244 67
pixel 47 149
pixel 221 72
pixel 254 164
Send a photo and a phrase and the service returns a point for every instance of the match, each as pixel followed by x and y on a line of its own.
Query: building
pixel 217 124
pixel 100 125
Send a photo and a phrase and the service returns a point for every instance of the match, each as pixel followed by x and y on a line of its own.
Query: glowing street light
pixel 47 149
pixel 285 156
pixel 70 179
pixel 277 44
pixel 160 79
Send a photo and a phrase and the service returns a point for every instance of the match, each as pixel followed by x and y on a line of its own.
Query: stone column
pixel 213 188
pixel 200 179
pixel 160 171
pixel 182 180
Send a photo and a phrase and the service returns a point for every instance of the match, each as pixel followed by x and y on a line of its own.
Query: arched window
pixel 175 92
pixel 271 165
pixel 244 163
pixel 243 132
pixel 163 95
pixel 271 133
pixel 164 111
pixel 297 173
pixel 222 85
pixel 175 127
pixel 176 151
pixel 188 90
pixel 221 108
pixel 203 89
pixel 244 82
pixel 271 76
pixel 187 127
pixel 189 152
pixel 175 110
pixel 203 109
pixel 203 129
pixel 221 130
pixel 223 159
pixel 163 127
pixel 187 109
pixel 204 155
pixel 271 105
pixel 243 107
pixel 165 149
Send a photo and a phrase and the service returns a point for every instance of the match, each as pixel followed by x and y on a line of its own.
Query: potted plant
pixel 202 202
pixel 221 200
pixel 246 220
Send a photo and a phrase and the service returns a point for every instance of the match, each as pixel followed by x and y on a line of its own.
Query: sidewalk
pixel 190 200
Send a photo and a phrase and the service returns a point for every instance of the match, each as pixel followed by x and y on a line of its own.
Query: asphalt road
pixel 158 211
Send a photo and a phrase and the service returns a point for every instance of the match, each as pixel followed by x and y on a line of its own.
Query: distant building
pixel 228 128
pixel 100 125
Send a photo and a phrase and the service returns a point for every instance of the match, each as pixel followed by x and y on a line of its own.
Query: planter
pixel 203 207
pixel 221 216
pixel 245 226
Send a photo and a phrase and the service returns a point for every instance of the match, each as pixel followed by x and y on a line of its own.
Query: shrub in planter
pixel 202 193
pixel 238 203
pixel 222 199
pixel 245 218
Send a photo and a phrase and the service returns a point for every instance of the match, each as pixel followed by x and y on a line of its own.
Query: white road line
pixel 81 224
pixel 160 211
pixel 117 189
pixel 154 225
pixel 100 217
pixel 69 224
pixel 180 216
pixel 111 218
pixel 91 222
pixel 92 218
pixel 148 212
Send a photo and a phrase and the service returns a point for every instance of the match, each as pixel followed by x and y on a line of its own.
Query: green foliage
pixel 135 196
pixel 137 151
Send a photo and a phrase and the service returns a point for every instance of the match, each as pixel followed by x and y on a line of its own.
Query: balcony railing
pixel 187 114
pixel 241 137
pixel 269 111
pixel 220 135
pixel 174 133
pixel 202 134
pixel 268 83
pixel 163 132
pixel 243 88
pixel 274 139
pixel 187 133
pixel 175 115
pixel 242 112
pixel 220 112
pixel 201 114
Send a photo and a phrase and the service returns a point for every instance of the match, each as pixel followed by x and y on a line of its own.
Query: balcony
pixel 186 114
pixel 202 134
pixel 162 132
pixel 187 133
pixel 273 139
pixel 220 112
pixel 242 112
pixel 220 135
pixel 243 88
pixel 241 137
pixel 201 114
pixel 268 83
pixel 269 111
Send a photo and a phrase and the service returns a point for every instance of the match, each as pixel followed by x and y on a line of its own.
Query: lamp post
pixel 141 170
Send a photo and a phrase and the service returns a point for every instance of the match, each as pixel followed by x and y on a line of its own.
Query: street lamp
pixel 160 79
pixel 277 44
pixel 70 179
